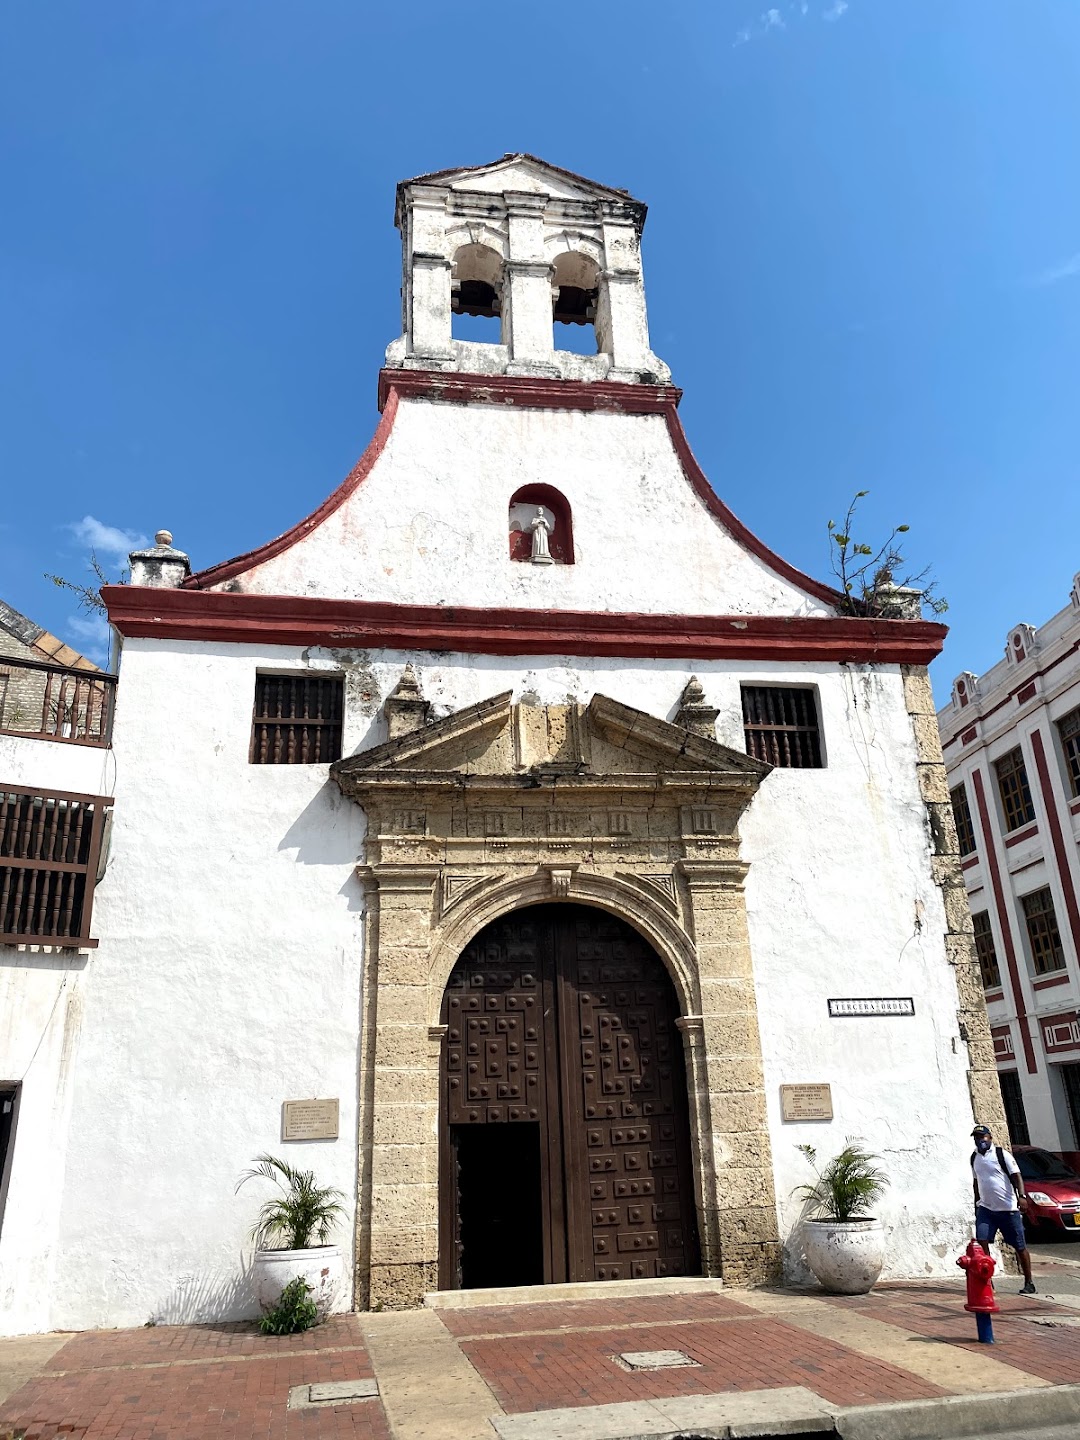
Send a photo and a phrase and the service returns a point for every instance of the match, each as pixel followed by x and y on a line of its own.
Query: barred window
pixel 1014 790
pixel 781 726
pixel 1069 730
pixel 297 719
pixel 984 948
pixel 1043 935
pixel 965 830
pixel 49 850
pixel 1013 1100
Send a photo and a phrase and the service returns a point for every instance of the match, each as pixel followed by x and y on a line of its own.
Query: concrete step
pixel 585 1290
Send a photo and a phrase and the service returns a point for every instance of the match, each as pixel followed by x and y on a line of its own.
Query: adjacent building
pixel 558 853
pixel 1011 740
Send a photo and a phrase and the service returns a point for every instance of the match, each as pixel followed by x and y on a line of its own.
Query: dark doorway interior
pixel 499 1204
pixel 9 1105
pixel 1070 1079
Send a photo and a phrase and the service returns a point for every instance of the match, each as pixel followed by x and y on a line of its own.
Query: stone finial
pixel 405 708
pixel 160 567
pixel 694 714
pixel 898 602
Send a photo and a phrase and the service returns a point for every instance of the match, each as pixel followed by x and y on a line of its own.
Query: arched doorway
pixel 564 1126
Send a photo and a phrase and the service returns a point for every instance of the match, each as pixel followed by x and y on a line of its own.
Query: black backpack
pixel 1000 1159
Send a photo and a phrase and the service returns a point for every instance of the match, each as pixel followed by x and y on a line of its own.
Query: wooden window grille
pixel 781 726
pixel 1043 935
pixel 1013 1101
pixel 49 849
pixel 984 948
pixel 965 830
pixel 1014 790
pixel 1069 730
pixel 297 719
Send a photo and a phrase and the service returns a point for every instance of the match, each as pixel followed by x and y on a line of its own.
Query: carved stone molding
pixel 501 806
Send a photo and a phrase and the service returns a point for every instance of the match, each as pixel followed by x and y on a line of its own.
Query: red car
pixel 1053 1190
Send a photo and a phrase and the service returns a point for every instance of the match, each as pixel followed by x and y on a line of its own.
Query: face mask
pixel 982 1146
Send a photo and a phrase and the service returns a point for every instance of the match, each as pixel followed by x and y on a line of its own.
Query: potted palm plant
pixel 292 1235
pixel 844 1245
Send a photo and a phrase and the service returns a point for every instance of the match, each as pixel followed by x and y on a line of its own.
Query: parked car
pixel 1053 1191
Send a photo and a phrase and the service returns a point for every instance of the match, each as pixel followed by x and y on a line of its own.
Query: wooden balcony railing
pixel 50 845
pixel 52 702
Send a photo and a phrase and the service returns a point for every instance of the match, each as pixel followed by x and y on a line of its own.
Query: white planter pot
pixel 846 1256
pixel 322 1267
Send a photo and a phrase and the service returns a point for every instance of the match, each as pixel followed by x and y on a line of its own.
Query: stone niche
pixel 500 806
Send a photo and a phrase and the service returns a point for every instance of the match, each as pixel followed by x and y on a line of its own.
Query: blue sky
pixel 862 260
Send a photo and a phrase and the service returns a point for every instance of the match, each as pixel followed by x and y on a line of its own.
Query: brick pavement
pixel 549 1371
pixel 230 1383
pixel 936 1311
pixel 192 1383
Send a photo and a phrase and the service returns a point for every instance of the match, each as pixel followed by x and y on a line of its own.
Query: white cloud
pixel 774 18
pixel 1065 271
pixel 106 541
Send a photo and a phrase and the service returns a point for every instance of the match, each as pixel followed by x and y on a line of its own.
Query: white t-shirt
pixel 995 1191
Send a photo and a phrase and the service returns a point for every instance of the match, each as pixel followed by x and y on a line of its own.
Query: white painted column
pixel 527 312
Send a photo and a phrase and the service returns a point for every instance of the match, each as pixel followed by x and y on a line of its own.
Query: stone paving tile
pixel 165 1386
pixel 557 1371
pixel 937 1313
pixel 579 1314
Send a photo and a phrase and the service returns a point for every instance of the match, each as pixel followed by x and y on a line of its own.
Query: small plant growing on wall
pixel 294 1312
pixel 875 580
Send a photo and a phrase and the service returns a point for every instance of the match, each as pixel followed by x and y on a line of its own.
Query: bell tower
pixel 536 246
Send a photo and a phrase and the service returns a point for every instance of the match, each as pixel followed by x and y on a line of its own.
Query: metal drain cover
pixel 655 1359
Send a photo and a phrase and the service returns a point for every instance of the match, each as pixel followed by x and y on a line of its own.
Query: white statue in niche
pixel 541 528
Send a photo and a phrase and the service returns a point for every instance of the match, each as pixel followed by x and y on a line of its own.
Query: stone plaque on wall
pixel 806 1102
pixel 309 1120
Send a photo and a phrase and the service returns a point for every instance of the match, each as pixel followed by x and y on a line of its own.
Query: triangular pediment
pixel 499 742
pixel 521 173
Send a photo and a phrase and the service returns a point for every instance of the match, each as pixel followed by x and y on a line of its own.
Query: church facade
pixel 520 801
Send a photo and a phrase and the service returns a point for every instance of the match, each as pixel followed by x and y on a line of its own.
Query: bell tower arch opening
pixel 564 1120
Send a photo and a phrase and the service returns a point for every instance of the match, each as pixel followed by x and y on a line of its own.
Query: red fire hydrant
pixel 979 1266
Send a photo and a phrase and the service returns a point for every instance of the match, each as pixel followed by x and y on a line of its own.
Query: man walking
pixel 999 1199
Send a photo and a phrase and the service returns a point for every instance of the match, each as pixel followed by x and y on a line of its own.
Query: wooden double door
pixel 565 1144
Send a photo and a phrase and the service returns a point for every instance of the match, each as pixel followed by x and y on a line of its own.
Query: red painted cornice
pixel 527 392
pixel 301 620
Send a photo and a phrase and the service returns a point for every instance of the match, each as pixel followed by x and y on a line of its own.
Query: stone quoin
pixel 524 803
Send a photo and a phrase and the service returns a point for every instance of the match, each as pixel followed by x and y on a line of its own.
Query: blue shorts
pixel 1008 1222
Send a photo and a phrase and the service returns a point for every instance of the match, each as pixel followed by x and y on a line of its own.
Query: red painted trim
pixel 216 574
pixel 1058 838
pixel 1048 984
pixel 1021 835
pixel 969 862
pixel 1074 807
pixel 304 620
pixel 604 395
pixel 1027 693
pixel 992 996
pixel 1003 921
pixel 969 735
pixel 527 392
pixel 1015 691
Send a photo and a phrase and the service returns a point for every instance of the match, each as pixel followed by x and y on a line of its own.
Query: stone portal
pixel 501 807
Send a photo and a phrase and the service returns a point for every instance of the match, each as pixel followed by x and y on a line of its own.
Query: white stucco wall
pixel 428 525
pixel 41 998
pixel 230 977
